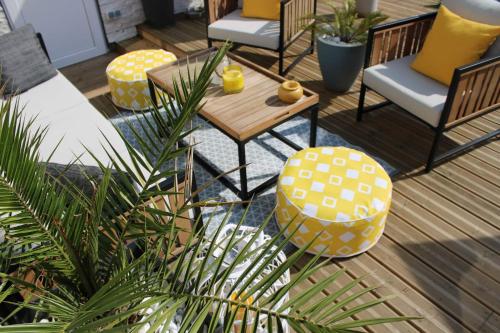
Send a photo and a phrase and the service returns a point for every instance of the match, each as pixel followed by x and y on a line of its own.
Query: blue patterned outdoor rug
pixel 265 155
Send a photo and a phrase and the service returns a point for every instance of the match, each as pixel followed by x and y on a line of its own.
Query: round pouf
pixel 127 78
pixel 338 191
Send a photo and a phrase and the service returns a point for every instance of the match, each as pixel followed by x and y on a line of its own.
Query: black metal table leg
pixel 314 126
pixel 243 171
pixel 152 92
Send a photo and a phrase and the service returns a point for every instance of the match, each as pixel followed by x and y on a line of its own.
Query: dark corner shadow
pixel 105 106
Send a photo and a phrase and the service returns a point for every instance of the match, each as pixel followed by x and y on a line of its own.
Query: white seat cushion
pixel 50 97
pixel 417 93
pixel 78 128
pixel 244 30
pixel 71 119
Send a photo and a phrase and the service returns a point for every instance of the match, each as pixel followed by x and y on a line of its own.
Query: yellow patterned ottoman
pixel 127 77
pixel 339 191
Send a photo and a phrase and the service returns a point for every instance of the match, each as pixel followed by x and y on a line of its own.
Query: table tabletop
pixel 244 115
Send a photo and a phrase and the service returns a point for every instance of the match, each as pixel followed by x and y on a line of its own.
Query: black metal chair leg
pixel 313 37
pixel 432 154
pixel 209 42
pixel 361 103
pixel 152 92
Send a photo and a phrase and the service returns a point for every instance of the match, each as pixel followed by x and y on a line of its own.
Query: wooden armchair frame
pixel 292 25
pixel 474 89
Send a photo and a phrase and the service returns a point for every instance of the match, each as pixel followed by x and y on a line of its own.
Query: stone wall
pixel 4 24
pixel 123 26
pixel 131 14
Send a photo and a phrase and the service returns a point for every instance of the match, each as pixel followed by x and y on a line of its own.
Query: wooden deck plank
pixel 382 310
pixel 440 251
pixel 451 266
pixel 453 300
pixel 450 237
pixel 452 214
pixel 408 300
pixel 483 209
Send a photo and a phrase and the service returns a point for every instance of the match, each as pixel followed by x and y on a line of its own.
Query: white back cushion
pixel 245 30
pixel 484 11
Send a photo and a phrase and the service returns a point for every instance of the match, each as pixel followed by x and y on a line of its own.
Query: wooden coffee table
pixel 243 116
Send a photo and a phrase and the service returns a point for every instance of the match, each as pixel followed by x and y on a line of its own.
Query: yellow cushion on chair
pixel 453 42
pixel 264 9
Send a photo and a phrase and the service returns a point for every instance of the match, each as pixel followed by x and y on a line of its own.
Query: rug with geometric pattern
pixel 265 155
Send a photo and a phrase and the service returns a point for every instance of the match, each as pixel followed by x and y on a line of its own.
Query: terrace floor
pixel 440 253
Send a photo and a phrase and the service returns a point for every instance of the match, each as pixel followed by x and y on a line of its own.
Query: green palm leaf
pixel 105 262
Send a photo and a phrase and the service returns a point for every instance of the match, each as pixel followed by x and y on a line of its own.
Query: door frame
pixel 15 18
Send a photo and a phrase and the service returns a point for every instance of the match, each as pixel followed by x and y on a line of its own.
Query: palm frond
pixel 109 261
pixel 345 24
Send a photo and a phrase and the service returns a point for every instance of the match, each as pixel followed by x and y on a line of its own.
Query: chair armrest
pixel 294 17
pixel 397 39
pixel 474 90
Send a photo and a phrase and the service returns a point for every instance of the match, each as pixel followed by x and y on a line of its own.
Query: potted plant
pixel 341 44
pixel 105 261
pixel 195 9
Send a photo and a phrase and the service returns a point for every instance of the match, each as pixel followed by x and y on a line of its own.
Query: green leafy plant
pixel 109 261
pixel 345 24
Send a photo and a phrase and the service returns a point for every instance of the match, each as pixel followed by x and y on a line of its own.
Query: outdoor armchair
pixel 474 89
pixel 224 22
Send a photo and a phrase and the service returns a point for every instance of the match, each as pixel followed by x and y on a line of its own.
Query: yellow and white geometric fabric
pixel 128 80
pixel 339 192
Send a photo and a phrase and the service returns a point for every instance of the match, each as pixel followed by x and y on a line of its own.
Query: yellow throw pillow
pixel 264 9
pixel 452 42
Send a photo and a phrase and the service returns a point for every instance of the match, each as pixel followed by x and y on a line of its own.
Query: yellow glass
pixel 233 81
pixel 240 314
pixel 232 67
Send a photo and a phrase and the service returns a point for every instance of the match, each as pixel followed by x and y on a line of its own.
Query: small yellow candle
pixel 233 81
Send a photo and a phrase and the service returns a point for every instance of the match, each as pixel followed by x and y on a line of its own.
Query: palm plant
pixel 109 262
pixel 345 24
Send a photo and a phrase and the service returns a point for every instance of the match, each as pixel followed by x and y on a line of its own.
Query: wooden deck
pixel 440 253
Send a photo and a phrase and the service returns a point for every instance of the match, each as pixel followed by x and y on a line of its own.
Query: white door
pixel 71 29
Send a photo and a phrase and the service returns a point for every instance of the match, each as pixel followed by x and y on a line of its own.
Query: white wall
pixel 116 29
pixel 132 14
pixel 4 24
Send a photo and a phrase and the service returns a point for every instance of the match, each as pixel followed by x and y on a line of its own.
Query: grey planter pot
pixel 340 63
pixel 365 7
